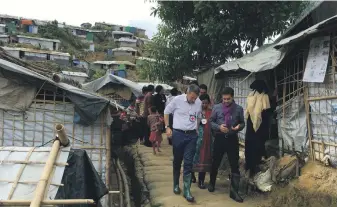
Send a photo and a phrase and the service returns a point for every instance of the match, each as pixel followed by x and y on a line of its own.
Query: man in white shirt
pixel 186 110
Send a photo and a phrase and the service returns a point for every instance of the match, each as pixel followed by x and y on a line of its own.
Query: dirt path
pixel 158 177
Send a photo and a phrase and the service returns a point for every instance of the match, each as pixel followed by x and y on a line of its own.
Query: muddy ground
pixel 152 185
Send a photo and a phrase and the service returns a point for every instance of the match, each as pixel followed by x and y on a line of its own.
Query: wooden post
pixel 108 156
pixel 41 186
pixel 307 114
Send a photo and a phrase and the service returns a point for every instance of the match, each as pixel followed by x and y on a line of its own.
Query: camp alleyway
pixel 157 171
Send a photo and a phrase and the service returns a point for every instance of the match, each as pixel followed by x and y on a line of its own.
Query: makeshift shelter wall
pixel 36 127
pixel 322 99
pixel 291 115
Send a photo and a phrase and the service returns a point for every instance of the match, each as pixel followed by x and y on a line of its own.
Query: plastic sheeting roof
pixel 146 58
pixel 124 39
pixel 87 105
pixel 38 38
pixel 264 58
pixel 97 84
pixel 36 51
pixel 114 63
pixel 310 8
pixel 129 49
pixel 78 74
pixel 165 86
pixel 311 30
pixel 31 174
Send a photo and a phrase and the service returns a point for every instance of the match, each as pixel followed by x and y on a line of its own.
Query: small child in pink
pixel 155 123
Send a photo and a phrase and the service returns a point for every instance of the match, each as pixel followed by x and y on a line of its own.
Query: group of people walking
pixel 202 133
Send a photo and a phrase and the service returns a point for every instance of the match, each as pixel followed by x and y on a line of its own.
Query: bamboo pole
pixel 31 162
pixel 28 182
pixel 322 98
pixel 62 134
pixel 307 113
pixel 19 174
pixel 324 143
pixel 47 202
pixel 108 156
pixel 125 182
pixel 41 186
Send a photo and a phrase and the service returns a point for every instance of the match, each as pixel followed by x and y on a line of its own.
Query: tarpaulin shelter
pixel 120 89
pixel 31 104
pixel 282 65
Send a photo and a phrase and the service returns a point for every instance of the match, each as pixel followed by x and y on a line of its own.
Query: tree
pixel 205 33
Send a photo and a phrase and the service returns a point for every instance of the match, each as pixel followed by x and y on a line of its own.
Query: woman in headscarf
pixel 202 159
pixel 257 129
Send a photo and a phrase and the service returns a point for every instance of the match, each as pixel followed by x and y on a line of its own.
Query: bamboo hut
pixel 305 87
pixel 31 104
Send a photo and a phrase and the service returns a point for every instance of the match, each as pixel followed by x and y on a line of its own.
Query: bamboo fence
pixel 35 127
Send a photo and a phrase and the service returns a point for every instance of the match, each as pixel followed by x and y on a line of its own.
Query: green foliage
pixel 145 69
pixel 95 74
pixel 205 33
pixel 69 42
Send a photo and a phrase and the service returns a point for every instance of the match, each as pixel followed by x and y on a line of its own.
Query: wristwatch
pixel 167 127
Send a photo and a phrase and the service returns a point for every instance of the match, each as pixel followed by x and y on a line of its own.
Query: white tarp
pixel 317 60
pixel 36 127
pixel 97 84
pixel 31 174
pixel 310 31
pixel 292 128
pixel 15 96
pixel 264 58
pixel 324 120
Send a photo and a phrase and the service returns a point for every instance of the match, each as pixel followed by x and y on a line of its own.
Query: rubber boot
pixel 176 177
pixel 211 185
pixel 187 188
pixel 234 189
pixel 201 180
pixel 194 180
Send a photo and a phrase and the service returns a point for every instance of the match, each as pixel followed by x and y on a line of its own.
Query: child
pixel 155 123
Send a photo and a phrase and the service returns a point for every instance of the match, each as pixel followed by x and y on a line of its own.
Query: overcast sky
pixel 74 12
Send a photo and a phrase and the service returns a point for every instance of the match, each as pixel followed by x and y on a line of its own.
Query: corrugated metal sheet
pixel 121 33
pixel 37 38
pixel 36 51
pixel 26 22
pixel 90 36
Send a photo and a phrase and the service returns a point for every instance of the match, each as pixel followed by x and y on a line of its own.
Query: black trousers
pixel 225 144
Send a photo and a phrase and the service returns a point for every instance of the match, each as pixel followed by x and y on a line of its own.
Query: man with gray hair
pixel 186 110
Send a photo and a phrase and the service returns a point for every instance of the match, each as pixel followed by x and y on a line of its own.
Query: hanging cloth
pixel 256 103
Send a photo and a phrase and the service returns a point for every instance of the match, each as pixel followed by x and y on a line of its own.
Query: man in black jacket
pixel 227 120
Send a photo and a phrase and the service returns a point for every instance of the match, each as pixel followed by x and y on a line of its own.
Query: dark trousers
pixel 147 132
pixel 201 176
pixel 184 146
pixel 222 144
